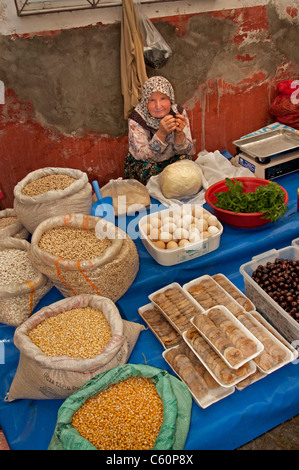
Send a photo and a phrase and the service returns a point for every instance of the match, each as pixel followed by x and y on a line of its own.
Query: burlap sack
pixel 14 229
pixel 39 376
pixel 18 299
pixel 32 210
pixel 109 275
pixel 128 196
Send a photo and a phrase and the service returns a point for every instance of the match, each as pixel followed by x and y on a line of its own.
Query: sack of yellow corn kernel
pixel 47 192
pixel 10 226
pixel 65 344
pixel 22 286
pixel 85 254
pixel 156 417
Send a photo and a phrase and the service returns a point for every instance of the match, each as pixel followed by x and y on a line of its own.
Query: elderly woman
pixel 159 131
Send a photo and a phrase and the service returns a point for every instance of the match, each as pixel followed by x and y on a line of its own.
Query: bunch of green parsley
pixel 269 199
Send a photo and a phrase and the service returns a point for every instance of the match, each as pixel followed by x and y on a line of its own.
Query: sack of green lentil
pixel 85 254
pixel 135 419
pixel 65 344
pixel 22 286
pixel 10 226
pixel 47 192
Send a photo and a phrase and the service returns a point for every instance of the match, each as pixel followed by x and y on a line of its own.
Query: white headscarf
pixel 152 85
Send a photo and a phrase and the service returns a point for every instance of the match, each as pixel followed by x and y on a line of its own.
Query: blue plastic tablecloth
pixel 227 424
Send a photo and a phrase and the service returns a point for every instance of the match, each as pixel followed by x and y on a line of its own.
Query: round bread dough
pixel 181 180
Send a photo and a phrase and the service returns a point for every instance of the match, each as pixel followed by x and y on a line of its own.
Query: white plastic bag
pixel 156 51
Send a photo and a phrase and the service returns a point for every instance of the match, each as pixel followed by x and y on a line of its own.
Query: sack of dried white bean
pixel 80 258
pixel 10 226
pixel 48 192
pixel 22 286
pixel 61 346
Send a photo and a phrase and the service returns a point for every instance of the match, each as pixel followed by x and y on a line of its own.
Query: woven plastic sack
pixel 18 299
pixel 109 275
pixel 40 376
pixel 15 229
pixel 177 403
pixel 32 210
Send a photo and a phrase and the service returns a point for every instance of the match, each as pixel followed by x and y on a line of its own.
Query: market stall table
pixel 227 424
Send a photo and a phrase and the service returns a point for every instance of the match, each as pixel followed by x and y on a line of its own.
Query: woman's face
pixel 158 105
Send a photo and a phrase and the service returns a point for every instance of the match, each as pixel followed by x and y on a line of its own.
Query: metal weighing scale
pixel 268 155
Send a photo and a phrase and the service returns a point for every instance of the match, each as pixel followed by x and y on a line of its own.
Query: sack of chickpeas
pixel 47 192
pixel 132 407
pixel 85 255
pixel 65 344
pixel 22 286
pixel 10 226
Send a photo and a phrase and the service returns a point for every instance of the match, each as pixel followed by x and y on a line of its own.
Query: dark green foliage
pixel 269 199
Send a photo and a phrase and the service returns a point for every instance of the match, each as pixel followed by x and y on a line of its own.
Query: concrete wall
pixel 61 73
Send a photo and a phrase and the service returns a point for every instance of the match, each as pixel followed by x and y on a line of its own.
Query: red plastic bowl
pixel 238 219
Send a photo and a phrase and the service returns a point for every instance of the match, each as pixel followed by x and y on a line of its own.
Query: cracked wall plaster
pixel 72 78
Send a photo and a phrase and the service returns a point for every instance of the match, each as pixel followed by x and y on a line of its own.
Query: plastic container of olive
pixel 270 309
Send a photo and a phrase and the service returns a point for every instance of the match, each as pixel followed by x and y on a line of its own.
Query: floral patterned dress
pixel 148 155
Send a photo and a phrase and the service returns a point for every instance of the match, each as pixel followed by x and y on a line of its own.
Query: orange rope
pixel 85 222
pixel 67 218
pixel 87 279
pixel 31 295
pixel 60 277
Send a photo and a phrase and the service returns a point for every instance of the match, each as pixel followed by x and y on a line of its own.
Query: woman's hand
pixel 166 127
pixel 171 124
pixel 180 123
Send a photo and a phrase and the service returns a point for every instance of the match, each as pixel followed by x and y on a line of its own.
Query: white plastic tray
pixel 237 293
pixel 289 354
pixel 255 377
pixel 150 306
pixel 229 302
pixel 186 294
pixel 275 333
pixel 213 395
pixel 239 325
pixel 223 384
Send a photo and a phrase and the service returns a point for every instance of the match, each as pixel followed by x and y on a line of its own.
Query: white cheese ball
pixel 168 227
pixel 212 220
pixel 165 220
pixel 202 225
pixel 212 229
pixel 154 234
pixel 181 222
pixel 165 237
pixel 194 237
pixel 180 233
pixel 183 242
pixel 193 230
pixel 197 212
pixel 155 222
